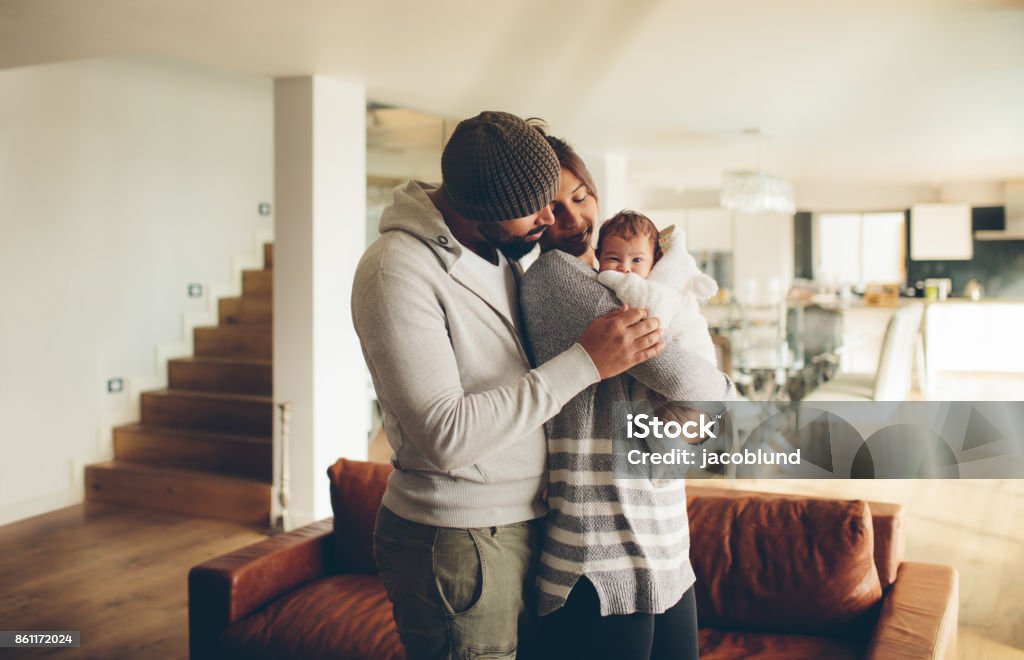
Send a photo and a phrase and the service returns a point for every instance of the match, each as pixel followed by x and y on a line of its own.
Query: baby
pixel 654 271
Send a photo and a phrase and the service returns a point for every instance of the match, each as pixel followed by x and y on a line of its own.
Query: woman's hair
pixel 567 156
pixel 630 224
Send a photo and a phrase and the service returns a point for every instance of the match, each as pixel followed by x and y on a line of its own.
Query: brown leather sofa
pixel 778 577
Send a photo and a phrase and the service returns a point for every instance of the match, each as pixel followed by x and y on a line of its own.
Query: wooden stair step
pixel 214 374
pixel 268 256
pixel 257 282
pixel 184 491
pixel 246 310
pixel 243 414
pixel 241 341
pixel 222 453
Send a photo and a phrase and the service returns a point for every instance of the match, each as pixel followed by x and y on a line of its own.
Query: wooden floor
pixel 977 526
pixel 118 575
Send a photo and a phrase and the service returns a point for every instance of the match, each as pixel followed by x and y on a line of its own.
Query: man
pixel 435 306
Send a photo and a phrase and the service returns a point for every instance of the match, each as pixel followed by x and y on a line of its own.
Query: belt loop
pixel 494 531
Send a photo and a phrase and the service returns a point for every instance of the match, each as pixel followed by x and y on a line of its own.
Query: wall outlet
pixel 195 290
pixel 264 208
pixel 115 385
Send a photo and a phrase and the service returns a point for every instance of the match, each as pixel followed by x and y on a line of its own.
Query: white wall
pixel 121 181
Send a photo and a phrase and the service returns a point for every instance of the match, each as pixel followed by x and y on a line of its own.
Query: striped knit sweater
pixel 630 537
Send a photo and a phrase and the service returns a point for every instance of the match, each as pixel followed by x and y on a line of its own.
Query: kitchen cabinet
pixel 707 230
pixel 762 248
pixel 663 218
pixel 941 232
pixel 761 243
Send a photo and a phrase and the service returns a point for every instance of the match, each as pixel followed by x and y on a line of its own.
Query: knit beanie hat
pixel 497 167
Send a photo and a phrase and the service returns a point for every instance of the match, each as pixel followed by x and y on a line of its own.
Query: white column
pixel 320 194
pixel 610 171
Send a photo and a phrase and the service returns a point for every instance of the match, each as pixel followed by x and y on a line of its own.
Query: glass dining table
pixel 778 352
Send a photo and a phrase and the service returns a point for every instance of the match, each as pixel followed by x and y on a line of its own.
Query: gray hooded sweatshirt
pixel 463 409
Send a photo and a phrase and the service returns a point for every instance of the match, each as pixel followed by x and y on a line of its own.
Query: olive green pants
pixel 459 594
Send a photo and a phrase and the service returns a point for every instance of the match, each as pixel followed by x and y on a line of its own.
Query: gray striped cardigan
pixel 630 537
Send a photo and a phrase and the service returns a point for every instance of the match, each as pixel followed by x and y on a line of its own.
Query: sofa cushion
pixel 725 645
pixel 782 565
pixel 339 617
pixel 886 523
pixel 356 491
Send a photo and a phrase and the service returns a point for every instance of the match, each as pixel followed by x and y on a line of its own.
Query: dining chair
pixel 816 332
pixel 891 382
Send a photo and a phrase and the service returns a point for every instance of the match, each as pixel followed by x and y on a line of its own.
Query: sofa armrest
pixel 918 618
pixel 230 587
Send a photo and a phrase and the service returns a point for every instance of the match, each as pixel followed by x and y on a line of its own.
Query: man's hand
pixel 621 340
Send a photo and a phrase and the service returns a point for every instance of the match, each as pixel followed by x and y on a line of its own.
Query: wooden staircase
pixel 203 445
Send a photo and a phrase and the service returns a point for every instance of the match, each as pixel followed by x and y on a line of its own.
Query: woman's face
pixel 575 211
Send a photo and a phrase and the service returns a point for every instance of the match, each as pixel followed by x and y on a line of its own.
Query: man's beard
pixel 576 248
pixel 513 247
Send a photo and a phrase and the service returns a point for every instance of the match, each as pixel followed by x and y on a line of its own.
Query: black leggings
pixel 578 630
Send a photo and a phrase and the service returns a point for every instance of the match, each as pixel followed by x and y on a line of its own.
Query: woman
pixel 574 208
pixel 614 579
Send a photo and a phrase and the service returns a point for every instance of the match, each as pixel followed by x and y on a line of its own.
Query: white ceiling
pixel 895 91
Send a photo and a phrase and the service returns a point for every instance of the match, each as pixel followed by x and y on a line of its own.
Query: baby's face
pixel 627 255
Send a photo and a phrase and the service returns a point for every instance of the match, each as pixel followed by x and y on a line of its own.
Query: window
pixel 859 248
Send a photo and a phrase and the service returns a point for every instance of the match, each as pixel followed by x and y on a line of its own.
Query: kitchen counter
pixel 959 334
pixel 719 310
pixel 857 302
pixel 968 301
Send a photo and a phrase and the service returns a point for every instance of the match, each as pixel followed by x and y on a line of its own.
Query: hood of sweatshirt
pixel 412 212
